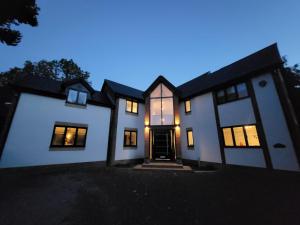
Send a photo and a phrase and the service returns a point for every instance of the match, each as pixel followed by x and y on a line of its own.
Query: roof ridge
pixel 122 84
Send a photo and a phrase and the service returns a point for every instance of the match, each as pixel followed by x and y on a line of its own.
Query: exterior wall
pixel 129 120
pixel 234 113
pixel 31 131
pixel 274 123
pixel 203 122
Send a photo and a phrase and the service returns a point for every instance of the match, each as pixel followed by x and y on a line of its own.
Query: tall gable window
pixel 161 106
pixel 77 97
pixel 132 106
pixel 232 93
pixel 66 136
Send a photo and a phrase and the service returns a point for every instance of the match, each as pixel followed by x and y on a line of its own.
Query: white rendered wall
pixel 274 124
pixel 31 131
pixel 129 120
pixel 203 122
pixel 236 113
pixel 245 157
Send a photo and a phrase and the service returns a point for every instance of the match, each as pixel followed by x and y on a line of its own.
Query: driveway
pixel 125 196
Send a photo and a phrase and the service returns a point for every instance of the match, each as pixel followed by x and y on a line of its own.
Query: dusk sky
pixel 134 41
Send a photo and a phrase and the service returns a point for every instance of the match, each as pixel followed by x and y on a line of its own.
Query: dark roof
pixel 125 91
pixel 54 88
pixel 264 59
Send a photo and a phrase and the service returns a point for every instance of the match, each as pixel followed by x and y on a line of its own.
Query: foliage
pixel 57 70
pixel 16 12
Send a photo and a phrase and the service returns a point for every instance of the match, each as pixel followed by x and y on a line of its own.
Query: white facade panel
pixel 238 112
pixel 274 124
pixel 245 157
pixel 129 120
pixel 203 122
pixel 31 131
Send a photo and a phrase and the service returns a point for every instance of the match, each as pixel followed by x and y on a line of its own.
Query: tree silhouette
pixel 14 13
pixel 57 70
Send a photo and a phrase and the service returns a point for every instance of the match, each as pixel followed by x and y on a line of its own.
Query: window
pixel 187 106
pixel 241 136
pixel 132 106
pixel 232 93
pixel 130 138
pixel 190 138
pixel 64 136
pixel 77 97
pixel 161 106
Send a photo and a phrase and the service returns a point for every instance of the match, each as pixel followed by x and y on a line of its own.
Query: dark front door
pixel 162 145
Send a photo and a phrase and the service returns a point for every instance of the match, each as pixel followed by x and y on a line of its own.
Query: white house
pixel 239 115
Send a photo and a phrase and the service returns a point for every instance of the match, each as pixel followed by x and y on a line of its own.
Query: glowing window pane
pixel 81 136
pixel 58 138
pixel 155 109
pixel 70 136
pixel 166 92
pixel 190 138
pixel 133 138
pixel 252 136
pixel 127 138
pixel 128 106
pixel 156 93
pixel 228 140
pixel 134 107
pixel 167 111
pixel 239 136
pixel 188 106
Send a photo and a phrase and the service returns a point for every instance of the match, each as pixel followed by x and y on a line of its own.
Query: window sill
pixel 188 113
pixel 129 147
pixel 65 149
pixel 75 105
pixel 131 113
pixel 191 148
pixel 243 147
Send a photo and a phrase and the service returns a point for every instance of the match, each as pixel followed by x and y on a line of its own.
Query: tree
pixel 16 12
pixel 57 70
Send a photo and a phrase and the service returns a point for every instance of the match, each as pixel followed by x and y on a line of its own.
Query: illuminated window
pixel 241 136
pixel 252 136
pixel 190 138
pixel 232 93
pixel 161 106
pixel 131 106
pixel 187 105
pixel 64 136
pixel 130 138
pixel 228 139
pixel 77 97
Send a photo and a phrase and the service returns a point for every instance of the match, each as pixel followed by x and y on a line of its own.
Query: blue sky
pixel 134 41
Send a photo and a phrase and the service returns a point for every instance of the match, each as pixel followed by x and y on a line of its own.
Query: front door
pixel 162 145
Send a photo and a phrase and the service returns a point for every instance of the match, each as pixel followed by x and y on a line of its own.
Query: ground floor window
pixel 241 136
pixel 130 138
pixel 190 138
pixel 68 136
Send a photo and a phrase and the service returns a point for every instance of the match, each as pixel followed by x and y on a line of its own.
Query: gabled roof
pixel 54 88
pixel 266 58
pixel 78 80
pixel 124 91
pixel 158 80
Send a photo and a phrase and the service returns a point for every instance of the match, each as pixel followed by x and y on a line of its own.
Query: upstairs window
pixel 132 106
pixel 77 97
pixel 187 106
pixel 130 138
pixel 241 136
pixel 65 136
pixel 232 93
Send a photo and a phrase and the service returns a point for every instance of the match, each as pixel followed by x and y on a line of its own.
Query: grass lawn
pixel 124 196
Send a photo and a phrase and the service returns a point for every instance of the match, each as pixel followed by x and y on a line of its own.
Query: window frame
pixel 132 101
pixel 161 97
pixel 64 138
pixel 245 136
pixel 77 97
pixel 136 138
pixel 190 111
pixel 191 147
pixel 235 93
